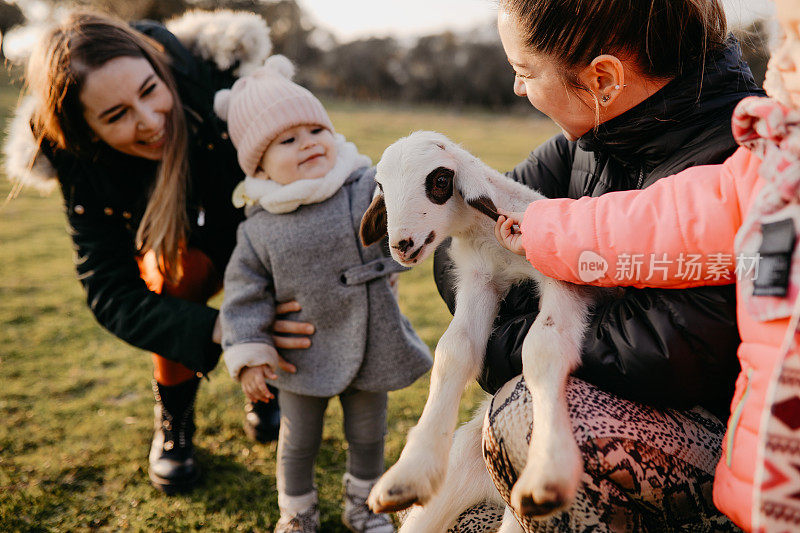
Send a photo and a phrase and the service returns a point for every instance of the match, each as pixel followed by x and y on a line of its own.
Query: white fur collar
pixel 23 162
pixel 279 199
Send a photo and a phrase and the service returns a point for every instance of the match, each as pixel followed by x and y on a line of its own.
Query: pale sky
pixel 353 19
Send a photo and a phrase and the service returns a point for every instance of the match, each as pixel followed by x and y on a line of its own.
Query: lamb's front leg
pixel 457 360
pixel 466 484
pixel 550 351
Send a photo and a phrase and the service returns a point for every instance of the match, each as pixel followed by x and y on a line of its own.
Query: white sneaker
pixel 299 514
pixel 357 516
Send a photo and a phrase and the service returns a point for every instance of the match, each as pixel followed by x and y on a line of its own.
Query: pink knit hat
pixel 262 105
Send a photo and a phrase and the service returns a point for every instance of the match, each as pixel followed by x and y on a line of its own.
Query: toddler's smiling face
pixel 302 152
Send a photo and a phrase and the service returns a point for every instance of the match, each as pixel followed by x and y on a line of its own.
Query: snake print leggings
pixel 644 469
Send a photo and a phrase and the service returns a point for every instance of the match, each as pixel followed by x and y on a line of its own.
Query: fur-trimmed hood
pixel 225 37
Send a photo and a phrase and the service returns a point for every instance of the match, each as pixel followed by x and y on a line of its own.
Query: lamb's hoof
pixel 547 503
pixel 396 499
pixel 410 481
pixel 392 506
pixel 528 507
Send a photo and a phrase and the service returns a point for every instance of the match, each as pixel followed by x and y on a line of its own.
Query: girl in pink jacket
pixel 710 225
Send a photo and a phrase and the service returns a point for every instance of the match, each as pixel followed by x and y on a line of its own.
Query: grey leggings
pixel 301 434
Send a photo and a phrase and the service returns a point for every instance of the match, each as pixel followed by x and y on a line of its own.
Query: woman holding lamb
pixel 658 366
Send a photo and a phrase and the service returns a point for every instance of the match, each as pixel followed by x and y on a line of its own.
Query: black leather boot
pixel 263 420
pixel 172 465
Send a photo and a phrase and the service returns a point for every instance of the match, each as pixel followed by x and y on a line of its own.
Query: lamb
pixel 429 188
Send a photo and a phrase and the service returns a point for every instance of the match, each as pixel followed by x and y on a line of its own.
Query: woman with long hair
pixel 122 116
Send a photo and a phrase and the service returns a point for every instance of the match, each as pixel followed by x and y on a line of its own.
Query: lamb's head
pixel 424 182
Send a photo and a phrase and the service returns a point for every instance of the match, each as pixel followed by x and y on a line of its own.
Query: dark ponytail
pixel 666 37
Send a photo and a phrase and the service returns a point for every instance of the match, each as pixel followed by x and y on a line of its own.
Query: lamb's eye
pixel 439 185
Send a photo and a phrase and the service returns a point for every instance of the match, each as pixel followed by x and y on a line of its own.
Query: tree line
pixel 452 69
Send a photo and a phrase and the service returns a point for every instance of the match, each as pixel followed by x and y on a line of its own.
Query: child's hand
pixel 254 385
pixel 253 378
pixel 508 234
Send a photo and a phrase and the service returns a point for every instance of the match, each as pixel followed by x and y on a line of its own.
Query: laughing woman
pixel 121 116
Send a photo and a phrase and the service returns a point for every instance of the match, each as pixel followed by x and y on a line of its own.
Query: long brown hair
pixel 667 37
pixel 56 73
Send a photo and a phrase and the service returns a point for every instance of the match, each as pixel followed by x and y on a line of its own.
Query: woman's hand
pixel 281 327
pixel 508 234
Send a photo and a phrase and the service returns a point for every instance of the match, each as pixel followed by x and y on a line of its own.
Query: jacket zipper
pixel 736 416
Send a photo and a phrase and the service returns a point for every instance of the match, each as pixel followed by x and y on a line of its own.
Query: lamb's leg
pixel 466 484
pixel 550 351
pixel 458 357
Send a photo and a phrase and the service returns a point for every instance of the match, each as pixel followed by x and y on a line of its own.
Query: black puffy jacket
pixel 667 348
pixel 105 197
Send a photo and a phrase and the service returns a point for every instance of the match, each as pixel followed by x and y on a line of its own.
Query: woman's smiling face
pixel 127 106
pixel 538 78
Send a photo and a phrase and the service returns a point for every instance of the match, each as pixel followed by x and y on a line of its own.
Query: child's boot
pixel 172 465
pixel 299 514
pixel 357 516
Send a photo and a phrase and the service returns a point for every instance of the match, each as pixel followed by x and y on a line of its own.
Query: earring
pixel 616 87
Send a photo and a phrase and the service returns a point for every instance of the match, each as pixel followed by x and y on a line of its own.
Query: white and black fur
pixel 429 188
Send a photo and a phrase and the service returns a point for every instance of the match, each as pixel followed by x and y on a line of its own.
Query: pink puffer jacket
pixel 694 214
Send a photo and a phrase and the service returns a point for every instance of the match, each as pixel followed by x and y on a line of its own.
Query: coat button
pixel 79 209
pixel 224 135
pixel 210 146
pixel 108 211
pixel 126 215
pixel 380 267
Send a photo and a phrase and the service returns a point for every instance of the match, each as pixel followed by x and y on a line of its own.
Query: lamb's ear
pixel 373 223
pixel 472 187
pixel 485 205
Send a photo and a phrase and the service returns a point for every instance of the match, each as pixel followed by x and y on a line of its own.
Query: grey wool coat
pixel 313 255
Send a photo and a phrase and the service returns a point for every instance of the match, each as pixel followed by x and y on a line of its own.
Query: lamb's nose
pixel 404 245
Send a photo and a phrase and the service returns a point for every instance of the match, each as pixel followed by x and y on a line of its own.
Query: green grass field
pixel 76 405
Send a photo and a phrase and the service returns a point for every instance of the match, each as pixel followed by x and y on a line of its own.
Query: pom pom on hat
pixel 276 65
pixel 262 105
pixel 222 101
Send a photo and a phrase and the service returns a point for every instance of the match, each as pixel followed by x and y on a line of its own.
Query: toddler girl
pixel 307 189
pixel 710 225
